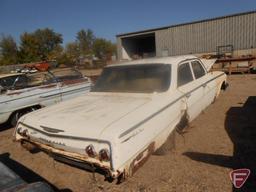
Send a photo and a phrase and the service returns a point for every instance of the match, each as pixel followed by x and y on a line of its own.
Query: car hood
pixel 85 116
pixel 208 63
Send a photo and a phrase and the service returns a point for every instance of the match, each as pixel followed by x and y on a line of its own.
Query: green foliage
pixel 45 44
pixel 47 41
pixel 28 48
pixel 8 50
pixel 39 45
pixel 85 40
pixel 56 53
pixel 71 54
pixel 103 49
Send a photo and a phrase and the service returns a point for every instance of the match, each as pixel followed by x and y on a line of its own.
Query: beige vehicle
pixel 129 114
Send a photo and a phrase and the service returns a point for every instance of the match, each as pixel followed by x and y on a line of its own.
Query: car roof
pixel 175 60
pixel 10 74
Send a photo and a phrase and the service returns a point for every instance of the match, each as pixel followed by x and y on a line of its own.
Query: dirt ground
pixel 221 139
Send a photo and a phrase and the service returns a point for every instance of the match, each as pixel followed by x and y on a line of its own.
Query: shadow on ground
pixel 25 173
pixel 240 125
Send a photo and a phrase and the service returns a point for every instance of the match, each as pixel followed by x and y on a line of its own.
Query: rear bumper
pixel 70 158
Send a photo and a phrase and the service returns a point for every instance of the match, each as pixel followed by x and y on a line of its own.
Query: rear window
pixel 145 78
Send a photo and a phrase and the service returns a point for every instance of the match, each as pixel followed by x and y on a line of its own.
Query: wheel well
pixel 223 85
pixel 183 123
pixel 24 109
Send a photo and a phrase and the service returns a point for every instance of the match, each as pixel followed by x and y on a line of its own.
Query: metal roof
pixel 188 23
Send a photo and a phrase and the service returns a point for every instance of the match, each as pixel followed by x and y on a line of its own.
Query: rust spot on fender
pixel 141 158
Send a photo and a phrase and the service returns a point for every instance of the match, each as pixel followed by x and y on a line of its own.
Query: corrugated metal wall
pixel 119 48
pixel 204 37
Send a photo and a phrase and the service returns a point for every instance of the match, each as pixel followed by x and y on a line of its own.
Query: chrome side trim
pixel 61 93
pixel 165 107
pixel 55 94
pixel 51 130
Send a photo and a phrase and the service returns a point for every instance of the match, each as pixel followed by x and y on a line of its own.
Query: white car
pixel 129 114
pixel 23 93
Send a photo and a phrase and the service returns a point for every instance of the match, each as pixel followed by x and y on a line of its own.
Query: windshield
pixel 145 78
pixel 33 80
pixel 8 81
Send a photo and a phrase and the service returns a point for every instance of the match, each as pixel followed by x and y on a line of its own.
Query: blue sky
pixel 108 17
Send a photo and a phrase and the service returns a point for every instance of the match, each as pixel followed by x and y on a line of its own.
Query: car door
pixel 49 91
pixel 204 78
pixel 191 89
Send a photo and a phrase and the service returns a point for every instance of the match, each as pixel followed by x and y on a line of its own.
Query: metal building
pixel 237 32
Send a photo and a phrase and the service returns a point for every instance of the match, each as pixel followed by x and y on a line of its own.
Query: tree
pixel 103 49
pixel 39 45
pixel 8 50
pixel 72 52
pixel 56 53
pixel 47 41
pixel 28 48
pixel 85 40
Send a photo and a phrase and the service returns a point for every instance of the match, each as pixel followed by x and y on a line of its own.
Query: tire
pixel 18 114
pixel 15 117
pixel 168 145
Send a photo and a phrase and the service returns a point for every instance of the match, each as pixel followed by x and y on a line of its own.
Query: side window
pixel 8 81
pixel 198 69
pixel 20 82
pixel 184 74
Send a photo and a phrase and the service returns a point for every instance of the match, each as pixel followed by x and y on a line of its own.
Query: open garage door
pixel 139 46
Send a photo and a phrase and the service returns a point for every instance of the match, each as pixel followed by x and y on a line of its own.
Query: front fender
pixel 4 117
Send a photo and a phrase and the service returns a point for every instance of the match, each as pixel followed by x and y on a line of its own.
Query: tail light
pixel 23 133
pixel 104 155
pixel 19 130
pixel 90 151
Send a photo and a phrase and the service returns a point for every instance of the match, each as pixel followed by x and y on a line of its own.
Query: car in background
pixel 130 113
pixel 29 92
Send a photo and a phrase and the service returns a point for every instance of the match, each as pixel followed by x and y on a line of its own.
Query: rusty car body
pixel 29 92
pixel 129 114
